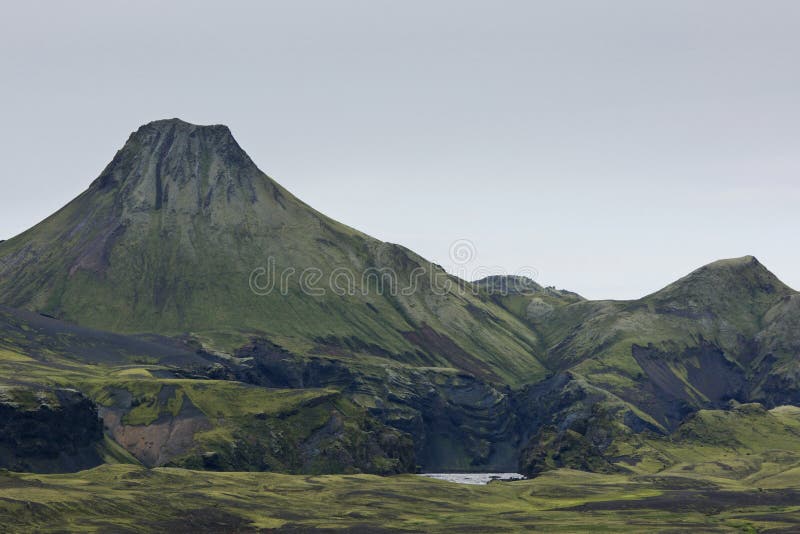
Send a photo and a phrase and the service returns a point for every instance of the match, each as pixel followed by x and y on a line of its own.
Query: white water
pixel 472 478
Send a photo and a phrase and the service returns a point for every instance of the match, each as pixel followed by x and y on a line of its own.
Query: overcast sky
pixel 611 146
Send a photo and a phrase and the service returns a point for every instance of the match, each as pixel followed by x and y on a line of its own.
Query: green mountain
pixel 165 244
pixel 171 234
pixel 214 321
pixel 723 333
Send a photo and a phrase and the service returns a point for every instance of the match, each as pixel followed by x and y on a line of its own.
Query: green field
pixel 124 498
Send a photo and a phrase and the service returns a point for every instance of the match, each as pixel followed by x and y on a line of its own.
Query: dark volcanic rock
pixel 271 365
pixel 48 431
pixel 456 421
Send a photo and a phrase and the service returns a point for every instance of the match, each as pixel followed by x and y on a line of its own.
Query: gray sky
pixel 612 146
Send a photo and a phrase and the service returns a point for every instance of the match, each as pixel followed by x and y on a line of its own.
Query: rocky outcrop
pixel 159 441
pixel 320 432
pixel 456 421
pixel 48 431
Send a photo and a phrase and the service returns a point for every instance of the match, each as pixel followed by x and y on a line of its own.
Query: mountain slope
pixel 72 398
pixel 184 256
pixel 170 237
pixel 726 331
pixel 686 340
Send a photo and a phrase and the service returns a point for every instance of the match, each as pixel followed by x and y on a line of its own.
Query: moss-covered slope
pixel 186 264
pixel 167 238
pixel 726 332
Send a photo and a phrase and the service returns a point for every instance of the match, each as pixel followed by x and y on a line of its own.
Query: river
pixel 473 478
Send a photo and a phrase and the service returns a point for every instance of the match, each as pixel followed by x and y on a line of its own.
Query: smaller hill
pixel 524 297
pixel 739 291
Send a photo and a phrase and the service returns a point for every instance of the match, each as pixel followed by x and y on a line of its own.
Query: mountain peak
pixel 742 286
pixel 745 270
pixel 171 122
pixel 166 160
pixel 180 126
pixel 508 284
pixel 743 262
pixel 173 135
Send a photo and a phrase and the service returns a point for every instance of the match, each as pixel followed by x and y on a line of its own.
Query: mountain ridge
pixel 165 242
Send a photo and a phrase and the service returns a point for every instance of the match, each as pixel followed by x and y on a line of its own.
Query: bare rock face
pixel 157 442
pixel 456 421
pixel 48 431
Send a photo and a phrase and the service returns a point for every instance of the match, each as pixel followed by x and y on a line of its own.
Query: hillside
pixel 722 333
pixel 208 317
pixel 167 240
pixel 73 398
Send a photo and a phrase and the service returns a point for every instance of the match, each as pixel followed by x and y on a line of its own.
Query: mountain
pixel 170 238
pixel 188 312
pixel 182 237
pixel 710 319
pixel 722 333
pixel 213 320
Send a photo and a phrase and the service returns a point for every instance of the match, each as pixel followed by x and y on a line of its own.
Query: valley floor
pixel 127 498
